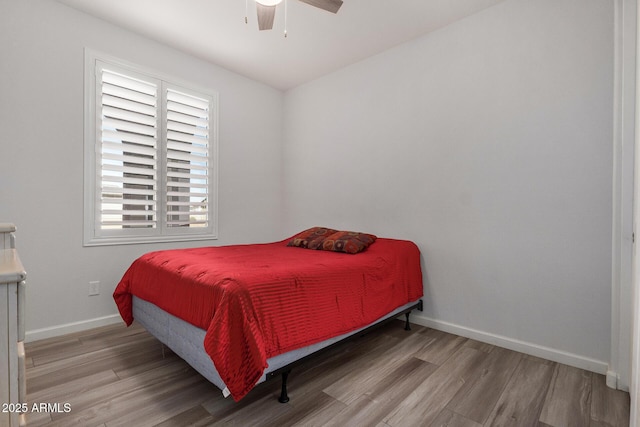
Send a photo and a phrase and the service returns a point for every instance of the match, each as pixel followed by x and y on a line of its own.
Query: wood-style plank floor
pixel 116 376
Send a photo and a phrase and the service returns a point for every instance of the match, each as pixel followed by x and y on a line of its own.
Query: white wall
pixel 41 152
pixel 488 143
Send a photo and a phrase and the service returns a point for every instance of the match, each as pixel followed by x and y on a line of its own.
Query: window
pixel 150 157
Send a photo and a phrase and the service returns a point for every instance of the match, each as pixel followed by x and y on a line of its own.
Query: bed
pixel 241 314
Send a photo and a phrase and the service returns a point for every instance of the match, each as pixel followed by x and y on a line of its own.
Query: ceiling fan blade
pixel 328 5
pixel 265 16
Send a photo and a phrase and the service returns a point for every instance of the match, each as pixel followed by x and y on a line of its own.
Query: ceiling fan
pixel 267 10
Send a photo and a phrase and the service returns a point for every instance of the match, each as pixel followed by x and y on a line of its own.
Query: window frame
pixel 94 235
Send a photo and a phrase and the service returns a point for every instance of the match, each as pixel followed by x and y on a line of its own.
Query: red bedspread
pixel 258 301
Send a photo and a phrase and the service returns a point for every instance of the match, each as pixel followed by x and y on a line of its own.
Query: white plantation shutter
pixel 128 140
pixel 187 162
pixel 151 153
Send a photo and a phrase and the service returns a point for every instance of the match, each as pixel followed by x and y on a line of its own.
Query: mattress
pixel 187 340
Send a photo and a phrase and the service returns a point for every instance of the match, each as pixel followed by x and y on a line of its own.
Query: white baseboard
pixel 55 331
pixel 554 355
pixel 612 379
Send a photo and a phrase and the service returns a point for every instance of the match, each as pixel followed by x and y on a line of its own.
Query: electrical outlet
pixel 94 288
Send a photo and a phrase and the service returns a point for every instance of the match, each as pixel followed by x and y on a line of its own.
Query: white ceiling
pixel 318 42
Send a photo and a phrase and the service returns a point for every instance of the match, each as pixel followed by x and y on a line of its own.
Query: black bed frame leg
pixel 407 325
pixel 284 398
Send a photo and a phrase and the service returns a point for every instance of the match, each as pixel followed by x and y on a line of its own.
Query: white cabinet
pixel 12 365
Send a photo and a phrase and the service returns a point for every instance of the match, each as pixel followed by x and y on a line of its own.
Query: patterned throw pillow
pixel 348 241
pixel 311 238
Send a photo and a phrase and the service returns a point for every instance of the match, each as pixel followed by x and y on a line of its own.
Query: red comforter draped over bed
pixel 258 301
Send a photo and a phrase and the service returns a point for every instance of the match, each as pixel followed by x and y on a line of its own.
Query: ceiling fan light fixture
pixel 269 2
pixel 266 10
